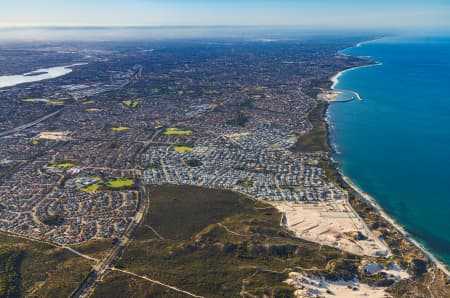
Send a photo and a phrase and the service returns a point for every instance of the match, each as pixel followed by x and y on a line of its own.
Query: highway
pixel 29 124
pixel 101 268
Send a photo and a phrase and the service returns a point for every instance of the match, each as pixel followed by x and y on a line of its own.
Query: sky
pixel 399 14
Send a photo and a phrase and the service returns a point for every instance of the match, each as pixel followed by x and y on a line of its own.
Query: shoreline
pixel 371 200
pixel 441 266
pixel 335 79
pixel 42 74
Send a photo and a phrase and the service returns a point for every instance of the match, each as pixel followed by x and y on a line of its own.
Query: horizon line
pixel 142 26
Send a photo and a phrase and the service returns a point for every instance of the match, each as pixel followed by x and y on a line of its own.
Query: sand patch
pixel 312 286
pixel 332 223
pixel 329 95
pixel 55 135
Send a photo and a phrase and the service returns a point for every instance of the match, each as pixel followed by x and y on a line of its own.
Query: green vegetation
pixel 406 254
pixel 317 86
pixel 178 132
pixel 96 248
pixel 247 103
pixel 401 248
pixel 9 272
pixel 293 138
pixel 120 183
pixel 291 187
pixel 91 188
pixel 246 183
pixel 56 103
pixel 42 100
pixel 92 110
pixel 119 285
pixel 154 165
pixel 211 206
pixel 317 138
pixel 65 165
pixel 35 269
pixel 88 102
pixel 182 149
pixel 331 173
pixel 239 120
pixel 120 128
pixel 53 220
pixel 95 184
pixel 210 91
pixel 224 240
pixel 133 103
pixel 256 96
pixel 194 162
pixel 35 142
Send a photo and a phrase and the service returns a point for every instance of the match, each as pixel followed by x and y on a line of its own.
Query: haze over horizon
pixel 401 15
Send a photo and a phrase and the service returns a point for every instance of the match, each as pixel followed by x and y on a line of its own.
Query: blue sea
pixel 395 143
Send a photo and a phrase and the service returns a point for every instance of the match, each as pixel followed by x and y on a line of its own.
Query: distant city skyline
pixel 401 14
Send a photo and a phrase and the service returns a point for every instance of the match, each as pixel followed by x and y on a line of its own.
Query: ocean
pixel 395 143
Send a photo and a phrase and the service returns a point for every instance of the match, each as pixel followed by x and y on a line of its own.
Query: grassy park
pixel 120 128
pixel 177 132
pixel 132 103
pixel 120 183
pixel 91 188
pixel 65 165
pixel 182 149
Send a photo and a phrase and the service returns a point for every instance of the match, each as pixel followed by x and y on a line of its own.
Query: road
pixel 97 273
pixel 29 124
pixel 159 283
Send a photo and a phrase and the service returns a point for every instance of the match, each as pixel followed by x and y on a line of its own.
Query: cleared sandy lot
pixel 332 223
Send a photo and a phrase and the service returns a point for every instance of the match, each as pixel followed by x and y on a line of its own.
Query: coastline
pixel 441 266
pixel 372 201
pixel 335 79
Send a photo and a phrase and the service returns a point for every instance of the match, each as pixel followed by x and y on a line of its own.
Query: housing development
pixel 144 115
pixel 268 174
pixel 84 151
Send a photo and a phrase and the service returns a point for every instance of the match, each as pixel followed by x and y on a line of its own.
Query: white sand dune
pixel 311 286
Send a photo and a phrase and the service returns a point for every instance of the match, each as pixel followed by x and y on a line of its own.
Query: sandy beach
pixel 335 79
pixel 402 231
pixel 336 223
pixel 329 96
pixel 371 200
